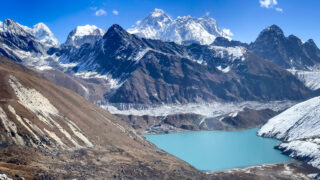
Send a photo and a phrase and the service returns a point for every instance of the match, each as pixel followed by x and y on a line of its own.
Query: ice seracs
pixel 84 34
pixel 186 29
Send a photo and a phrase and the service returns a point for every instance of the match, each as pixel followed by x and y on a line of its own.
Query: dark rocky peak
pixel 221 41
pixel 294 39
pixel 272 30
pixel 311 43
pixel 116 31
pixel 117 36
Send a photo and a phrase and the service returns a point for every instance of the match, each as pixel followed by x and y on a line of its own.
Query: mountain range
pixel 139 70
pixel 183 30
pixel 158 61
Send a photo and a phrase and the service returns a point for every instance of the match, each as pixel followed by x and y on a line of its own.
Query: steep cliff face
pixel 288 52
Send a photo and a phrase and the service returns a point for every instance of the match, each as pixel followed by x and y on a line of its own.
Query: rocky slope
pixel 298 128
pixel 183 30
pixel 46 134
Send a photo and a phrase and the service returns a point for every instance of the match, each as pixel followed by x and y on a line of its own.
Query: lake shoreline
pixel 201 148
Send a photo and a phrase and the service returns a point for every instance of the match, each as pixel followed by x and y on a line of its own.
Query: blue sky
pixel 245 18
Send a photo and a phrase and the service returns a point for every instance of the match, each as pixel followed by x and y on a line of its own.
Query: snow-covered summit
pixel 40 31
pixel 44 34
pixel 186 29
pixel 12 27
pixel 158 13
pixel 84 34
pixel 152 25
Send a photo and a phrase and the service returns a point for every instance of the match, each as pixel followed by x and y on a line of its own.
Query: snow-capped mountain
pixel 44 34
pixel 18 43
pixel 202 73
pixel 40 31
pixel 299 128
pixel 182 30
pixel 166 72
pixel 84 34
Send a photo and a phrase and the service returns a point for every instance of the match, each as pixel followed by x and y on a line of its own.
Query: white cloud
pixel 207 14
pixel 268 3
pixel 227 32
pixel 100 12
pixel 115 12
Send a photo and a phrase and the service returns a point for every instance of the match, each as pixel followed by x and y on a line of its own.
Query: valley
pixel 159 100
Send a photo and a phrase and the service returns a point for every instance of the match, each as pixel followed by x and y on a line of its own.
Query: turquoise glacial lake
pixel 220 150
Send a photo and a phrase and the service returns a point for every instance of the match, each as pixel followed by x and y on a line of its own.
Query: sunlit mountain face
pixel 124 95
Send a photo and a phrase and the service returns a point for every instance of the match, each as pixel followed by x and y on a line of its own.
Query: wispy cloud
pixel 100 12
pixel 227 32
pixel 115 12
pixel 270 4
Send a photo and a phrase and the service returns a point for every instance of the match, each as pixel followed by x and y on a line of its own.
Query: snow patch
pixel 303 149
pixel 225 70
pixel 114 83
pixel 140 54
pixel 232 53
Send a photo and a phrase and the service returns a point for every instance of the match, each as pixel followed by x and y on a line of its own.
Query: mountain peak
pixel 185 29
pixel 12 27
pixel 310 41
pixel 115 30
pixel 9 21
pixel 157 13
pixel 84 34
pixel 41 25
pixel 274 28
pixel 116 27
pixel 44 34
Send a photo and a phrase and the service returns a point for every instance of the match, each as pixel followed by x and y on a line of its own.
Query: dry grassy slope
pixel 71 122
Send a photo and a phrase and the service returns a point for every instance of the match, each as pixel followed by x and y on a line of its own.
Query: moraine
pixel 220 150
